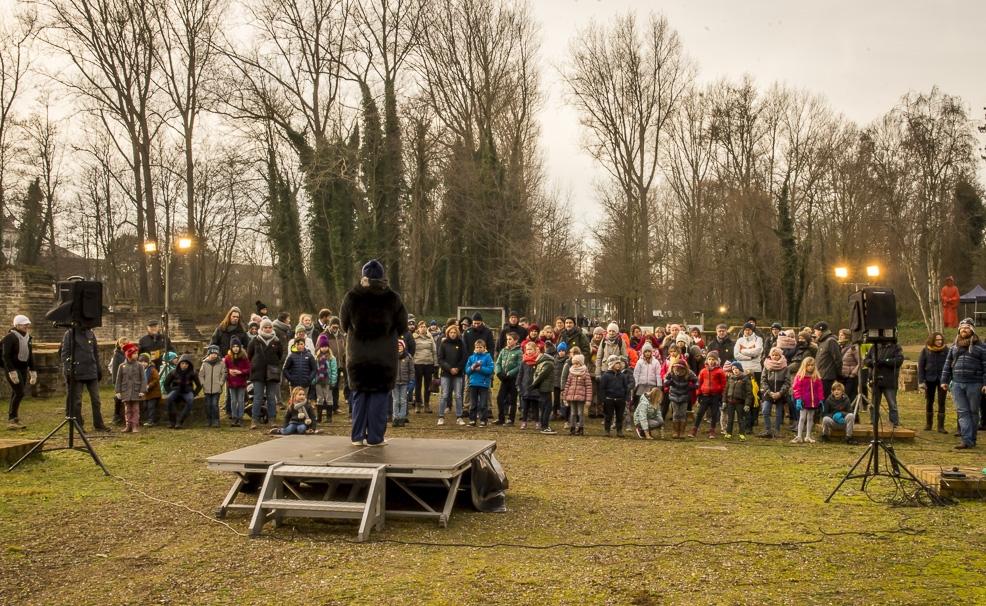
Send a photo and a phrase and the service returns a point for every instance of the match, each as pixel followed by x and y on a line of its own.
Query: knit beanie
pixel 563 346
pixel 968 323
pixel 235 342
pixel 129 348
pixel 373 270
pixel 613 326
pixel 578 359
pixel 323 340
pixel 266 322
pixel 300 328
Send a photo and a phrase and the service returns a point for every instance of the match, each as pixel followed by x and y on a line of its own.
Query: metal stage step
pixel 281 496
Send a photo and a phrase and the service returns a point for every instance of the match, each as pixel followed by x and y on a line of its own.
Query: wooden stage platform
pixel 427 472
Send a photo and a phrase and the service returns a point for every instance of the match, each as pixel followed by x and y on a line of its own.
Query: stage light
pixel 150 247
pixel 841 272
pixel 184 243
pixel 873 271
pixel 722 310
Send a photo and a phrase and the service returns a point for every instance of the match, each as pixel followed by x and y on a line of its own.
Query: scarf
pixel 23 353
pixel 266 339
pixel 775 365
pixel 933 348
pixel 531 359
pixel 578 371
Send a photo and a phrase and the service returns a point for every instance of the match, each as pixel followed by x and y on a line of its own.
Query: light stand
pixel 70 418
pixel 898 472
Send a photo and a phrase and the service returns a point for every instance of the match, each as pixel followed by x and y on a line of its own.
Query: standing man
pixel 337 343
pixel 965 369
pixel 828 360
pixel 374 318
pixel 83 359
pixel 18 361
pixel 573 336
pixel 950 303
pixel 513 325
pixel 154 343
pixel 479 331
pixel 721 344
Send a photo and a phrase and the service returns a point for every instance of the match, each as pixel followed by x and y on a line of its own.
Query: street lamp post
pixel 182 244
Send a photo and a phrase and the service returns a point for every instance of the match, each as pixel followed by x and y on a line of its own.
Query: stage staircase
pixel 288 491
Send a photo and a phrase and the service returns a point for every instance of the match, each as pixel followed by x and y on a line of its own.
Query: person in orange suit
pixel 950 303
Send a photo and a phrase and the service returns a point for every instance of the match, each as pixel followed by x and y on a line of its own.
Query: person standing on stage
pixel 373 318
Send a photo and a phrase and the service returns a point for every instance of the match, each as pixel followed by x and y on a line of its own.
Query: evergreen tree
pixel 31 229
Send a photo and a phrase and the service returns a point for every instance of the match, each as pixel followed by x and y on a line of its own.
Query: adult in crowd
pixel 154 343
pixel 17 347
pixel 337 343
pixel 950 303
pixel 308 323
pixel 425 359
pixel 611 345
pixel 266 359
pixel 436 333
pixel 408 336
pixel 231 327
pixel 322 322
pixel 283 329
pixel 828 361
pixel 573 336
pixel 512 325
pixel 884 361
pixel 965 368
pixel 262 310
pixel 452 356
pixel 722 344
pixel 79 355
pixel 931 363
pixel 770 341
pixel 849 375
pixel 478 331
pixel 374 318
pixel 749 349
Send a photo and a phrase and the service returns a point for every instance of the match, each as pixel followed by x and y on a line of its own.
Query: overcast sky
pixel 861 55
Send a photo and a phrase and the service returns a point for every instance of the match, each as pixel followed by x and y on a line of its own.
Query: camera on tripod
pixel 79 303
pixel 873 316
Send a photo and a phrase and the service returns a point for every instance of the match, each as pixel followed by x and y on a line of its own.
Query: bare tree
pixel 48 153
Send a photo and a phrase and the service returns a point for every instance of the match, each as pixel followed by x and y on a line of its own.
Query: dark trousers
pixel 423 374
pixel 16 394
pixel 480 410
pixel 118 411
pixel 556 400
pixel 369 409
pixel 176 416
pixel 932 389
pixel 545 409
pixel 530 409
pixel 734 410
pixel 614 407
pixel 148 410
pixel 506 400
pixel 75 398
pixel 710 404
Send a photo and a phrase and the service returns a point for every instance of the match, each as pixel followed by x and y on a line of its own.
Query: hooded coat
pixel 829 358
pixel 373 318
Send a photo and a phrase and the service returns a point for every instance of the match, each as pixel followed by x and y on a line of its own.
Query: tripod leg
pixel 92 451
pixel 38 445
pixel 849 475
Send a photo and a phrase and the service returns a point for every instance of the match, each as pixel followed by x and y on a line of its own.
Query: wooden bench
pixel 973 486
pixel 865 432
pixel 12 450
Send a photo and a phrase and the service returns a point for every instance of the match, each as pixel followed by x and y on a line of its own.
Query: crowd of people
pixel 638 381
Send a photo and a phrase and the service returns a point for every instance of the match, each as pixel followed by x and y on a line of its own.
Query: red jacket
pixel 241 364
pixel 711 383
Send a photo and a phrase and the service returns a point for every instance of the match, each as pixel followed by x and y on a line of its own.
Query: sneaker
pixel 640 432
pixel 810 440
pixel 482 423
pixel 548 431
pixel 509 423
pixel 441 420
pixel 537 426
pixel 763 434
pixel 359 443
pixel 962 446
pixel 383 443
pixel 148 424
pixel 727 436
pixel 712 435
pixel 252 426
pixel 797 440
pixel 459 421
pixel 742 437
pixel 499 422
pixel 566 425
pixel 472 423
pixel 523 424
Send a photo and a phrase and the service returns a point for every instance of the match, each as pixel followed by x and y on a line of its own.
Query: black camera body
pixel 873 315
pixel 79 303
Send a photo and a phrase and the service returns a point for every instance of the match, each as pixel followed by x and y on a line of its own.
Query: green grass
pixel 71 535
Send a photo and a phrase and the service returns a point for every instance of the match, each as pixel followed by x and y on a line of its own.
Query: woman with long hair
pixel 930 364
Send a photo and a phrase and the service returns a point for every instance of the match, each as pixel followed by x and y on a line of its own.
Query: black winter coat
pixel 183 380
pixel 452 354
pixel 828 361
pixel 479 334
pixel 517 329
pixel 300 368
pixel 156 346
pixel 221 338
pixel 524 377
pixel 85 358
pixel 930 365
pixel 614 385
pixel 262 356
pixel 373 318
pixel 723 348
pixel 10 346
pixel 885 359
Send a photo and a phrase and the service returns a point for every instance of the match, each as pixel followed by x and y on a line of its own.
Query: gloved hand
pixel 14 377
pixel 799 404
pixel 32 377
pixel 746 409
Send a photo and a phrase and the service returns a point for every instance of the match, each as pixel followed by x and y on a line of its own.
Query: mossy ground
pixel 728 523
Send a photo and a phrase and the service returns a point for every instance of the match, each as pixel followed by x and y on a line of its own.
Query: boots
pixel 941 424
pixel 676 429
pixel 927 420
pixel 693 432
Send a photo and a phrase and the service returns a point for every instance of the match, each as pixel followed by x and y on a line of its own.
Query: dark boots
pixel 941 424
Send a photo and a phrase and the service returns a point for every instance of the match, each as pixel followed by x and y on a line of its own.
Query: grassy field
pixel 701 521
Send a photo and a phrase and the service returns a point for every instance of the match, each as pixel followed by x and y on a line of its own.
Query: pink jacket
pixel 809 391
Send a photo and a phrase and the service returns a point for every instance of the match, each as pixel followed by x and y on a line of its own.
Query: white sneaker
pixel 810 440
pixel 797 440
pixel 459 421
pixel 360 443
pixel 441 420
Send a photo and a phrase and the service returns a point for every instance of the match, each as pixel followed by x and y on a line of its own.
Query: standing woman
pixel 18 362
pixel 266 357
pixel 425 358
pixel 230 328
pixel 373 318
pixel 930 364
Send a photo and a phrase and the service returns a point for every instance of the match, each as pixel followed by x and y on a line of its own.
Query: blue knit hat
pixel 373 270
pixel 563 346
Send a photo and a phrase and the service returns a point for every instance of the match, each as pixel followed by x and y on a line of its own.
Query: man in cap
pixel 374 318
pixel 513 325
pixel 828 360
pixel 18 362
pixel 154 343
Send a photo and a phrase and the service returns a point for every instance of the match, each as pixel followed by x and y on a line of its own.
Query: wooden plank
pixel 972 486
pixel 296 505
pixel 321 471
pixel 865 432
pixel 11 450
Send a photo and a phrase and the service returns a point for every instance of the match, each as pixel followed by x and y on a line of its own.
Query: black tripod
pixel 897 471
pixel 70 418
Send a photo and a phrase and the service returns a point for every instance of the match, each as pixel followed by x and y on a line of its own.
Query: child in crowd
pixel 529 396
pixel 182 384
pixel 116 360
pixel 647 416
pixel 559 409
pixel 299 367
pixel 615 387
pixel 711 385
pixel 237 376
pixel 776 388
pixel 326 377
pixel 544 382
pixel 169 361
pixel 578 391
pixel 130 387
pixel 647 372
pixel 298 417
pixel 252 329
pixel 405 374
pixel 808 396
pixel 507 368
pixel 738 399
pixel 212 373
pixel 679 385
pixel 148 407
pixel 479 370
pixel 837 411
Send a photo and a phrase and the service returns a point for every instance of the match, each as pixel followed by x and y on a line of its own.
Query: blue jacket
pixel 300 368
pixel 965 364
pixel 482 376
